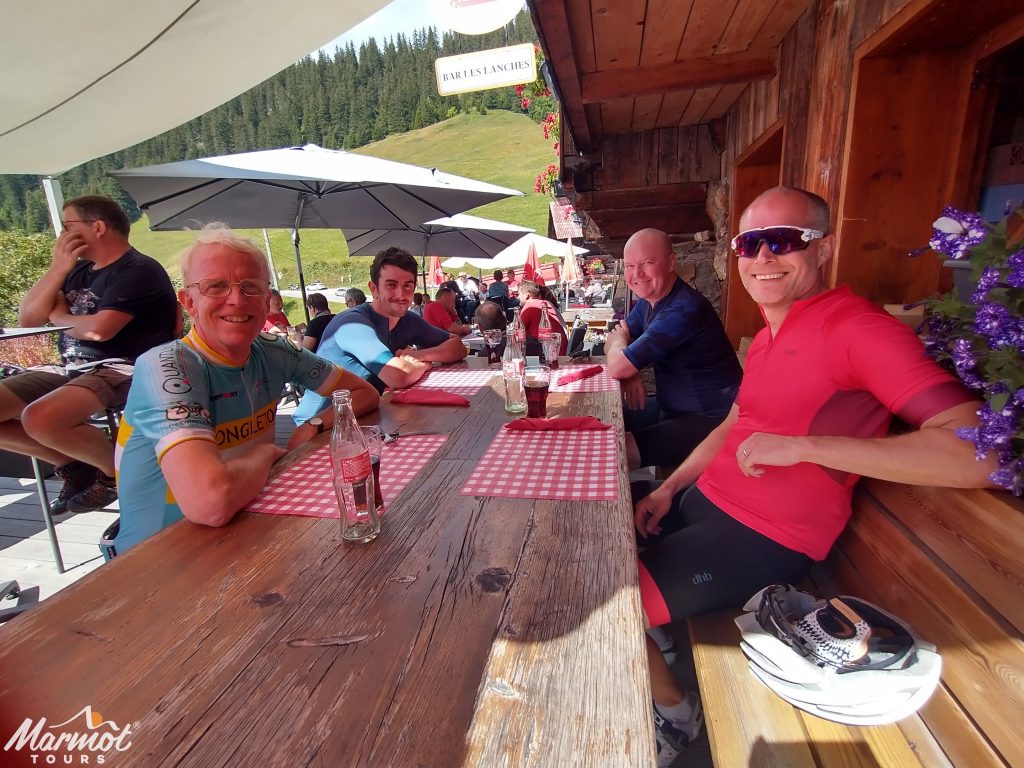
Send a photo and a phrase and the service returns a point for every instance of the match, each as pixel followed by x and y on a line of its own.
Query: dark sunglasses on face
pixel 780 240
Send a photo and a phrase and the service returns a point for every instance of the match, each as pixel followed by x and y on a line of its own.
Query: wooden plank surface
pixel 267 642
pixel 983 656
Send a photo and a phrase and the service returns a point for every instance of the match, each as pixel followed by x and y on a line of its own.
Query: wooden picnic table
pixel 476 631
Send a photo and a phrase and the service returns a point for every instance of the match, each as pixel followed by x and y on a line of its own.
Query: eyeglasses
pixel 217 289
pixel 780 240
pixel 64 223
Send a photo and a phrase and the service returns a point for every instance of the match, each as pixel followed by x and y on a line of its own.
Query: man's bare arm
pixel 615 343
pixel 932 455
pixel 448 351
pixel 403 371
pixel 39 301
pixel 211 490
pixel 102 326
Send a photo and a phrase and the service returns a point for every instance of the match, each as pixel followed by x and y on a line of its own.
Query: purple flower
pixel 956 231
pixel 989 279
pixel 966 364
pixel 1016 264
pixel 991 318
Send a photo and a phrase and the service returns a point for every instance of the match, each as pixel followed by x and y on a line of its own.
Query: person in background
pixel 469 296
pixel 117 303
pixel 511 282
pixel 321 312
pixel 532 305
pixel 354 297
pixel 381 341
pixel 417 304
pixel 498 290
pixel 277 321
pixel 441 313
pixel 675 330
pixel 769 490
pixel 197 439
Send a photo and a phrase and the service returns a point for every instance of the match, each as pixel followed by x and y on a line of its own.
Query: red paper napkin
pixel 580 373
pixel 428 397
pixel 560 424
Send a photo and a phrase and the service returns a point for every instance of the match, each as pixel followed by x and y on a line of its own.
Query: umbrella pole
pixel 302 280
pixel 298 256
pixel 423 263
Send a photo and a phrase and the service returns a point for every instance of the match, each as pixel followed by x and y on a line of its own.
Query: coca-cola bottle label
pixel 355 468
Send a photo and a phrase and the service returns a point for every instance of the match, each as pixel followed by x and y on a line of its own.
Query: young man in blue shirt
pixel 382 341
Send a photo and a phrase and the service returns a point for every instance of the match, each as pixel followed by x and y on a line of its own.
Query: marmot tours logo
pixel 87 733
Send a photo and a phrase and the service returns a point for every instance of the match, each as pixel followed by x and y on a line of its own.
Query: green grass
pixel 500 147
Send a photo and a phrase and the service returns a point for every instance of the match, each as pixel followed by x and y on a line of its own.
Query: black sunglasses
pixel 780 240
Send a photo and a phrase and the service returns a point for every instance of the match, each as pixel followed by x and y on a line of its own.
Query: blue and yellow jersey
pixel 185 391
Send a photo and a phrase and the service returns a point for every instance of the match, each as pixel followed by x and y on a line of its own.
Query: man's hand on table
pixel 650 510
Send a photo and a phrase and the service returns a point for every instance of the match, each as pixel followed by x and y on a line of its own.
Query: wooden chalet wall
pixel 811 91
pixel 884 115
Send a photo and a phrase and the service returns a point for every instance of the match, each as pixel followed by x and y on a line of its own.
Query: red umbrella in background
pixel 435 275
pixel 532 269
pixel 570 268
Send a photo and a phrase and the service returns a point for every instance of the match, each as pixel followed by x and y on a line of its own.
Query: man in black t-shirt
pixel 116 304
pixel 322 315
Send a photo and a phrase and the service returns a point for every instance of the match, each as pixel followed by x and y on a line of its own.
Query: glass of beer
pixel 375 444
pixel 536 380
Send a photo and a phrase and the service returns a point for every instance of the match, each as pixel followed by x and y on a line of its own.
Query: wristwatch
pixel 317 422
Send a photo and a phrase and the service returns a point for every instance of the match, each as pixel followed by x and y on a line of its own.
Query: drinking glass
pixel 493 340
pixel 536 380
pixel 374 438
pixel 551 347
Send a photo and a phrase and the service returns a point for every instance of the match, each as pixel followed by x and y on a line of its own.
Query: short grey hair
pixel 217 233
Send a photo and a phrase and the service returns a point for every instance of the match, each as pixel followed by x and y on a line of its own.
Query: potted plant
pixel 979 336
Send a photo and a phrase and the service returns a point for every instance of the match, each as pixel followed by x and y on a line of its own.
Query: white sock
pixel 678 713
pixel 662 637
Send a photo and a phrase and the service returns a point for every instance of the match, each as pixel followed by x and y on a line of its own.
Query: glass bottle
pixel 353 476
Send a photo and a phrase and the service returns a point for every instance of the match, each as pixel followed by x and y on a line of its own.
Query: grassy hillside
pixel 499 147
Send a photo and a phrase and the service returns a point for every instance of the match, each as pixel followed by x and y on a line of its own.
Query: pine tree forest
pixel 342 101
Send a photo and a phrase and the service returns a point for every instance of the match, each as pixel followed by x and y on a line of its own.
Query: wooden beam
pixel 623 222
pixel 697 72
pixel 551 22
pixel 658 195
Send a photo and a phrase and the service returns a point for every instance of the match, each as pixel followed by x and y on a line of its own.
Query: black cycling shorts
pixel 703 560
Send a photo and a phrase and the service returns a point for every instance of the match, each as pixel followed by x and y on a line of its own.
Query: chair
pixel 109 420
pixel 576 337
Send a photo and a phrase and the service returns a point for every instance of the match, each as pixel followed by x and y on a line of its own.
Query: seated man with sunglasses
pixel 769 491
pixel 675 330
pixel 197 438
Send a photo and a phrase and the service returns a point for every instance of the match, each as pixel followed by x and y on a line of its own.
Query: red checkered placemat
pixel 602 382
pixel 307 488
pixel 578 465
pixel 456 379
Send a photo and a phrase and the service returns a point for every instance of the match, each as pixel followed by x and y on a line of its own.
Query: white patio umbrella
pixel 460 235
pixel 516 253
pixel 81 80
pixel 301 187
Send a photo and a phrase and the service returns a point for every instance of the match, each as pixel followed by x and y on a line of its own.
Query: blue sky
pixel 400 16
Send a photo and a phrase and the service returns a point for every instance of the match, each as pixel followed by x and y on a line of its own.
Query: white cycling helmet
pixel 842 659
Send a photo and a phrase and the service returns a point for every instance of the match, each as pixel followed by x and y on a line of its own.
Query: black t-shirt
pixel 316 327
pixel 135 284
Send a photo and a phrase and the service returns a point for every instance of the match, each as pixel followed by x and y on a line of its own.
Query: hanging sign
pixel 481 70
pixel 476 17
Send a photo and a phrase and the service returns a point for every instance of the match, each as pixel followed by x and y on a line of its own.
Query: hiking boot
pixel 96 496
pixel 670 737
pixel 77 476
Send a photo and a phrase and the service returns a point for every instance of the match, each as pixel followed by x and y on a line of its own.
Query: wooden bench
pixel 950 563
